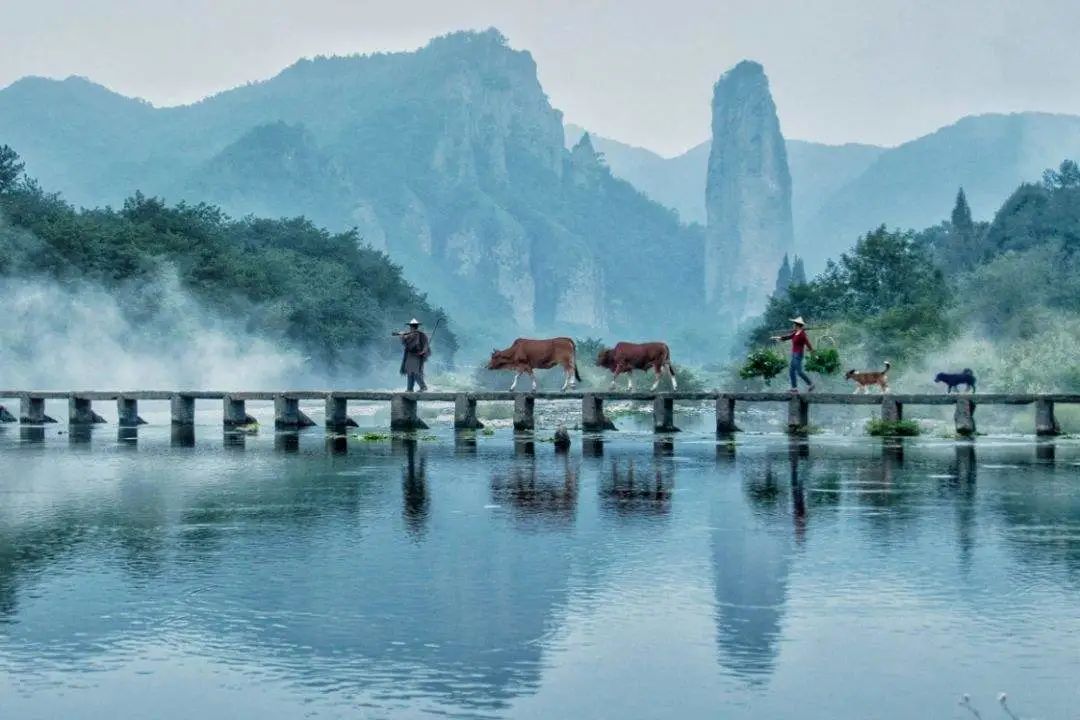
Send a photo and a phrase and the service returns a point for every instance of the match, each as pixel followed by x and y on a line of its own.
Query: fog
pixel 149 336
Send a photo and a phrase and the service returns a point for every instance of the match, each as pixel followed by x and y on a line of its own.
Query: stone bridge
pixel 404 407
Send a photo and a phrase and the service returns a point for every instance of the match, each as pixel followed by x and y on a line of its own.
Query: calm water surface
pixel 293 576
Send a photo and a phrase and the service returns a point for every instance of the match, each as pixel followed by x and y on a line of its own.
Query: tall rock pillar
pixel 747 195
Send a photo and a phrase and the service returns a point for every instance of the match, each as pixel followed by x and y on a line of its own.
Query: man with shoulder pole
pixel 416 347
pixel 800 343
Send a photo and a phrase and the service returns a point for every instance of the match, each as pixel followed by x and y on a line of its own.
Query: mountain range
pixel 841 191
pixel 450 159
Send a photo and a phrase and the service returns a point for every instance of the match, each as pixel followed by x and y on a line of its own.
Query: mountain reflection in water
pixel 494 577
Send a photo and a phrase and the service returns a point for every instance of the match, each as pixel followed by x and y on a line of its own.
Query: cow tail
pixel 577 375
pixel 670 366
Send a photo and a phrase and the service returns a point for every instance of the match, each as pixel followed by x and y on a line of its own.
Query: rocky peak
pixel 585 161
pixel 747 196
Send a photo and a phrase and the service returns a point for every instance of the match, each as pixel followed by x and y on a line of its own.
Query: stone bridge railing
pixel 404 414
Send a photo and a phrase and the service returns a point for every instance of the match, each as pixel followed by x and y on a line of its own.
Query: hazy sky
pixel 880 71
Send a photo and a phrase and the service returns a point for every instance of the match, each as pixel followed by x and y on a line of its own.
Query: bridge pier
pixel 965 417
pixel 725 416
pixel 1046 425
pixel 664 415
pixel 524 412
pixel 404 414
pixel 236 413
pixel 892 411
pixel 288 415
pixel 337 413
pixel 81 412
pixel 32 411
pixel 592 415
pixel 465 413
pixel 798 415
pixel 127 410
pixel 182 408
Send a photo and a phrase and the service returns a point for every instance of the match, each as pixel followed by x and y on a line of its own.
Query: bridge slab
pixel 798 414
pixel 404 414
pixel 337 413
pixel 965 417
pixel 593 418
pixel 465 413
pixel 664 415
pixel 725 415
pixel 1046 424
pixel 127 410
pixel 32 411
pixel 524 412
pixel 288 415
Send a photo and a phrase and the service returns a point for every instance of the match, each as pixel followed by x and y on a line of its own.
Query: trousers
pixel 795 370
pixel 416 378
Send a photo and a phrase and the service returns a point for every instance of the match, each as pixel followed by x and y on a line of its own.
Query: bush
pixel 765 364
pixel 885 428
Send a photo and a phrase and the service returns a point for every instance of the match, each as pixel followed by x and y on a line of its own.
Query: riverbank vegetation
pixel 999 297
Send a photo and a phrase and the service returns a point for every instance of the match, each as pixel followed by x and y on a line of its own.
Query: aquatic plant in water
pixel 889 428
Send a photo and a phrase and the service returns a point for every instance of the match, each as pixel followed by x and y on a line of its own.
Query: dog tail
pixel 887 366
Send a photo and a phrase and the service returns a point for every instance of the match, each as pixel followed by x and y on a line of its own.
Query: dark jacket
pixel 416 349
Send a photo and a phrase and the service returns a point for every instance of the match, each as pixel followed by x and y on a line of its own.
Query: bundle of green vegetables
pixel 824 362
pixel 764 363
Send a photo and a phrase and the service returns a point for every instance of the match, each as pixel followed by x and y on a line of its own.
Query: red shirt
pixel 799 342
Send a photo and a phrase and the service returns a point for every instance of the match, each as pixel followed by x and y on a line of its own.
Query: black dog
pixel 953 380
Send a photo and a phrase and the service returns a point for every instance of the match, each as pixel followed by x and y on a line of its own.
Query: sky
pixel 639 71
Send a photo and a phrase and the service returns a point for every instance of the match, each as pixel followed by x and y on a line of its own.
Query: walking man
pixel 417 348
pixel 800 343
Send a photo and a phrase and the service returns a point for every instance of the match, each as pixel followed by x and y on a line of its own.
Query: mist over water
pixel 81 336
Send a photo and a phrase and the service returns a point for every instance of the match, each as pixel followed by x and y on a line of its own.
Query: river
pixel 152 574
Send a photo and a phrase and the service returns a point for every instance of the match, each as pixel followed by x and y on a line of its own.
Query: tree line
pixel 1013 282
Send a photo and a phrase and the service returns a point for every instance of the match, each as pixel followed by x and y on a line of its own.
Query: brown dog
pixel 865 378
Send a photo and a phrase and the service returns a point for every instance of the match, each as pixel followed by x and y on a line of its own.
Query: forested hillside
pixel 1002 298
pixel 286 281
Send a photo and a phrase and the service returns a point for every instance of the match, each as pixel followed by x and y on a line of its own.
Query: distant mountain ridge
pixel 450 158
pixel 678 182
pixel 841 191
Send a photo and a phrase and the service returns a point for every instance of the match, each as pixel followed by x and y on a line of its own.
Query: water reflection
pixel 550 495
pixel 414 491
pixel 31 434
pixel 182 436
pixel 751 557
pixel 631 487
pixel 465 442
pixel 287 442
pixel 309 573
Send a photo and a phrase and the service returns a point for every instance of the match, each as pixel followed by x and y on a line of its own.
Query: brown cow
pixel 626 357
pixel 525 355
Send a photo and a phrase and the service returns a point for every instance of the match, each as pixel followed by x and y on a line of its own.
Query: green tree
pixel 10 168
pixel 887 288
pixel 783 278
pixel 798 272
pixel 1066 176
pixel 961 215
